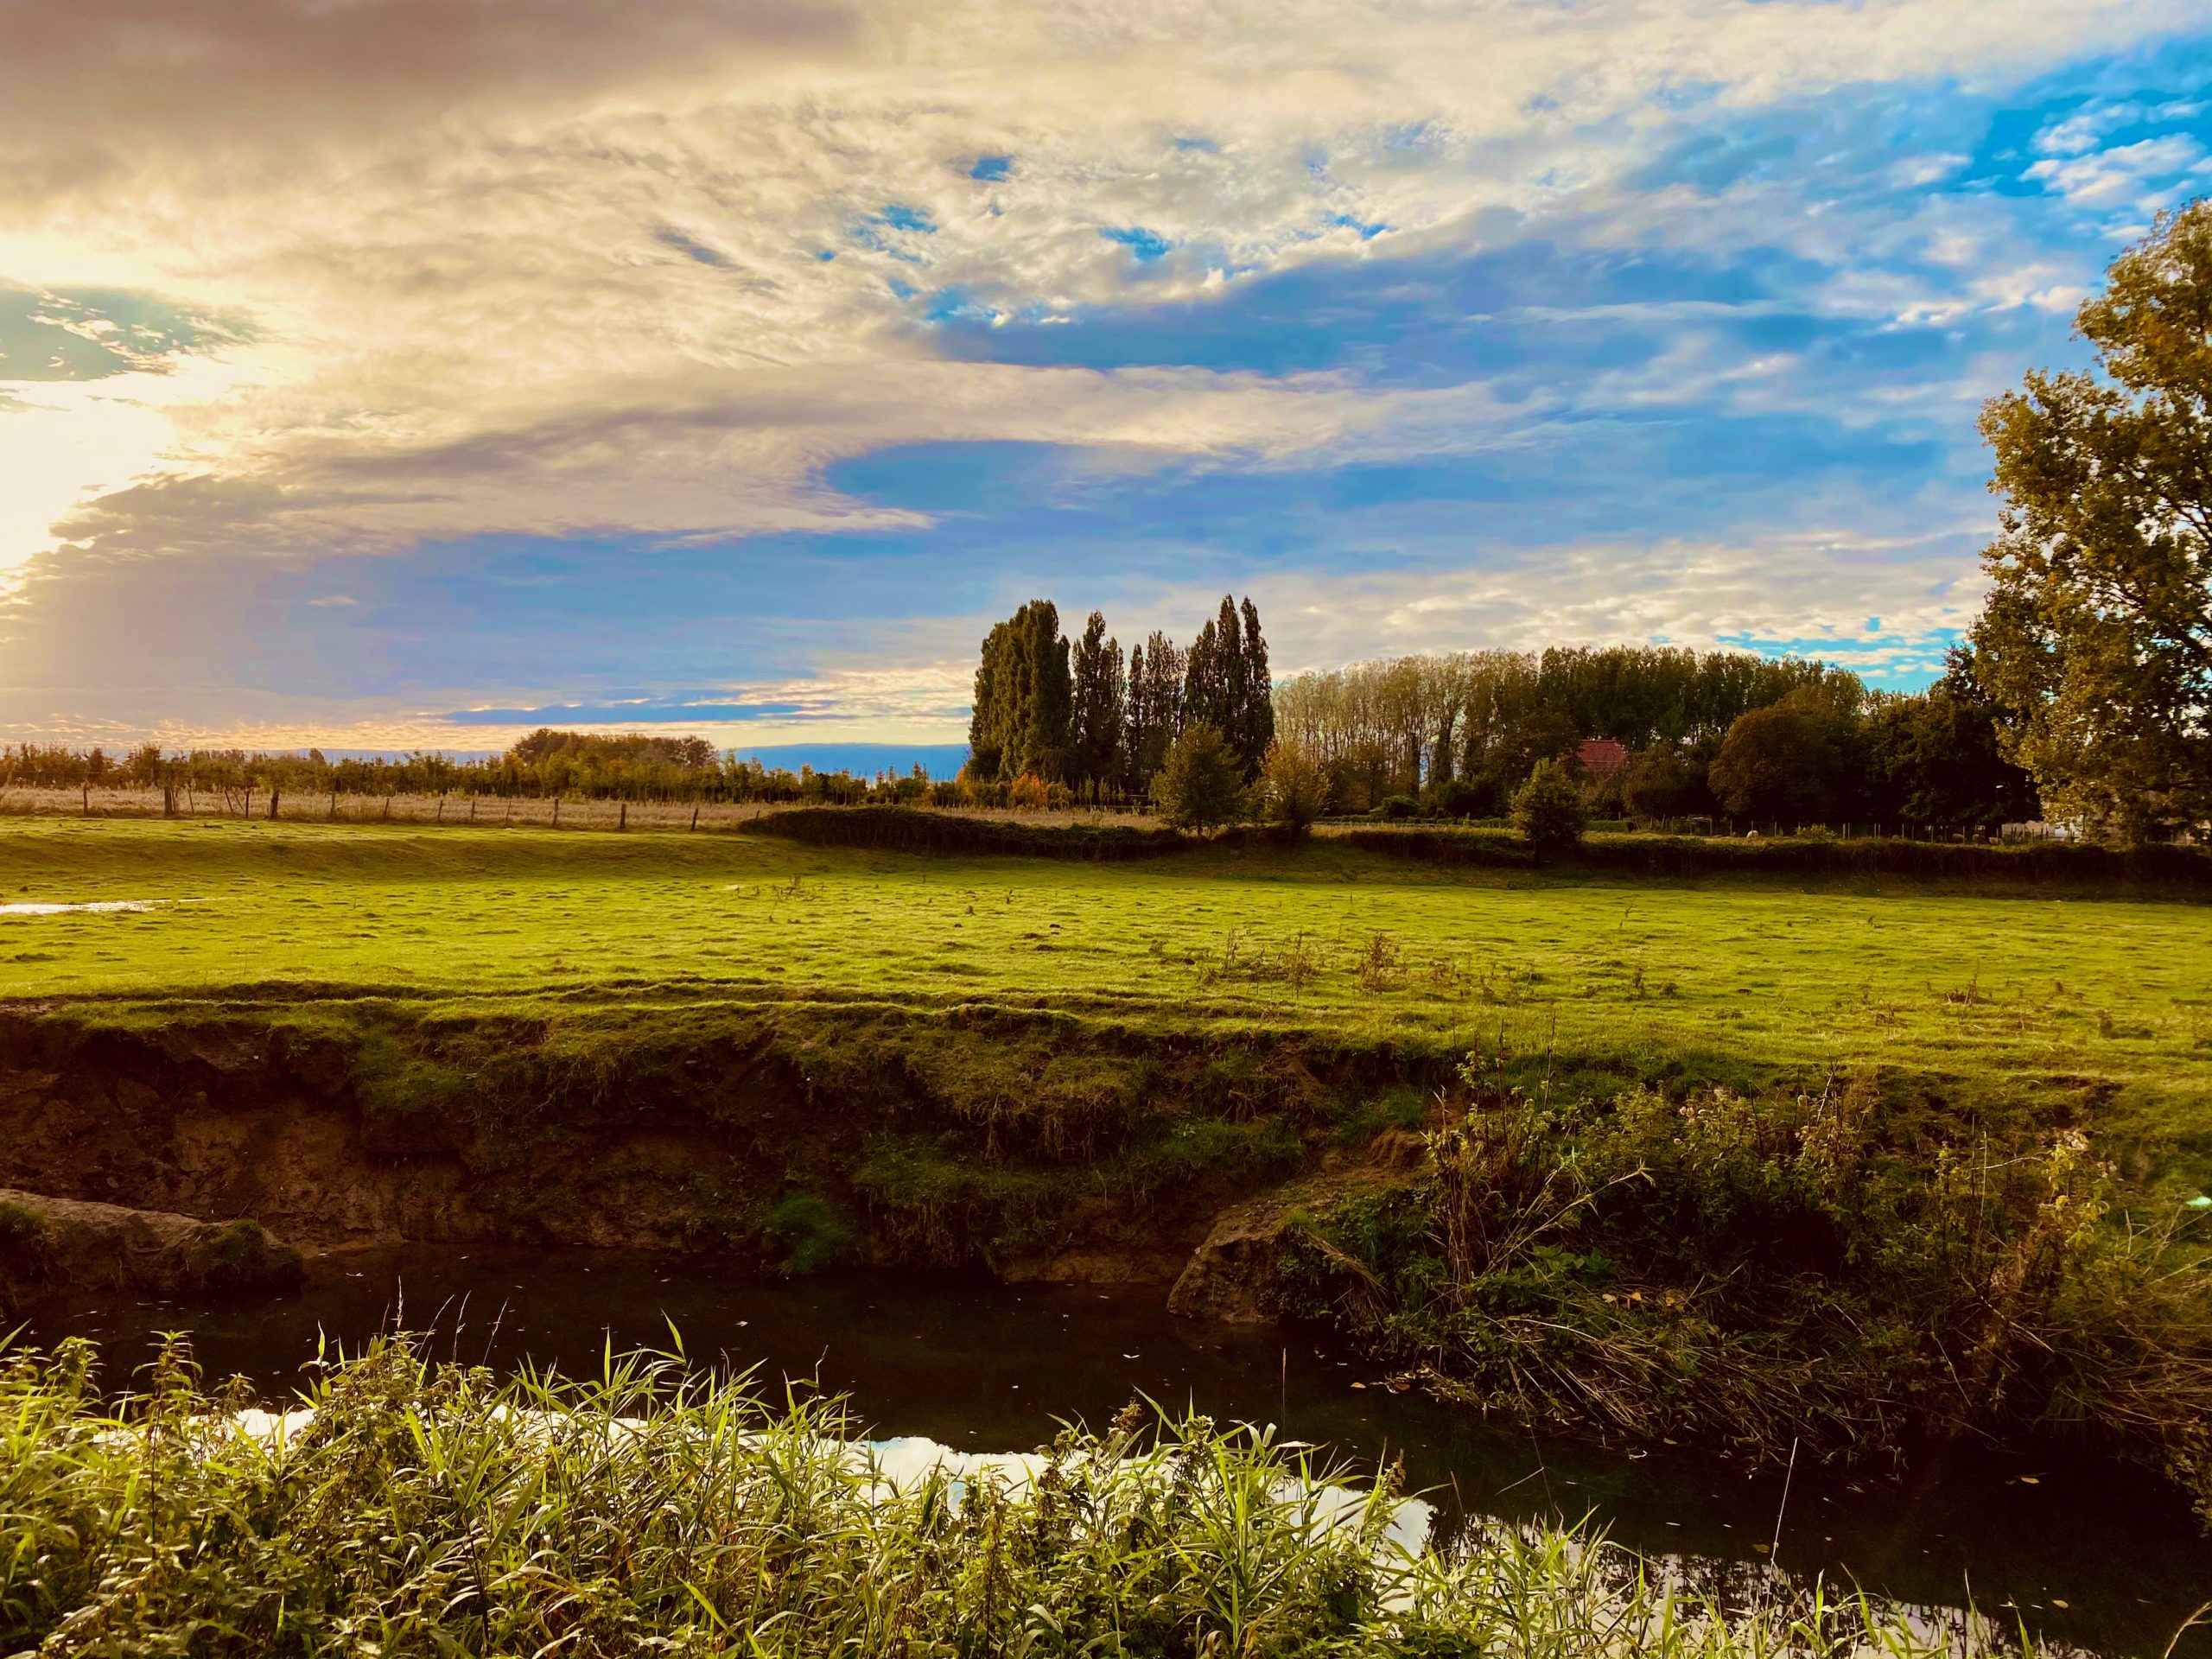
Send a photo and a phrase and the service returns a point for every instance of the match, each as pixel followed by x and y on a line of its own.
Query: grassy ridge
pixel 426 1511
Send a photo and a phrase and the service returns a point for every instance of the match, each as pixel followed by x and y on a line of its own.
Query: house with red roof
pixel 1601 754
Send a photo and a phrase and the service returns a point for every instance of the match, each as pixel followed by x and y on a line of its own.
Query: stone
pixel 1236 1276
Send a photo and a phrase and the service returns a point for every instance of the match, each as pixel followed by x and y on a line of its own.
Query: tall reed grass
pixel 408 1508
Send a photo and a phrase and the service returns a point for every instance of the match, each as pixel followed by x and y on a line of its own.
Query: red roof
pixel 1601 754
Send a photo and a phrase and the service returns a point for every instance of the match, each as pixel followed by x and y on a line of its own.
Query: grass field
pixel 2032 987
pixel 1827 1131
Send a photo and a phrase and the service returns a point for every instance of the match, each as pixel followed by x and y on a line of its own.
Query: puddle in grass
pixel 2081 1558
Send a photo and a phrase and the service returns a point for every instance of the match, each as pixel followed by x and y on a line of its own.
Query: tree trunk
pixel 275 794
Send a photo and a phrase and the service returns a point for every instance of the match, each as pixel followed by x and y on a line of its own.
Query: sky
pixel 395 374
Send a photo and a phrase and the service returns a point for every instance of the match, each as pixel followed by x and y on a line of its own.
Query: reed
pixel 420 1509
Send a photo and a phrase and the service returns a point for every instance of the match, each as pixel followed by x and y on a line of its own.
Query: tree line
pixel 1077 716
pixel 1702 734
pixel 632 766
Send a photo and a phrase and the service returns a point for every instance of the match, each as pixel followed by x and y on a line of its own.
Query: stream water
pixel 2093 1559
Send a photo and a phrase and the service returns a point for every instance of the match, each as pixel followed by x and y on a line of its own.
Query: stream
pixel 2094 1559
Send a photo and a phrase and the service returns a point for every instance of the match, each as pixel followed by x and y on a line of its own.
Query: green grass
pixel 1330 937
pixel 916 1059
pixel 648 1510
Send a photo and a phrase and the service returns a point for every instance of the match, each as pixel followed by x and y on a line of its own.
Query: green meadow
pixel 1721 971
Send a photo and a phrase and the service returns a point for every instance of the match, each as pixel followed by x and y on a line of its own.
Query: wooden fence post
pixel 623 823
pixel 694 814
pixel 88 800
pixel 556 812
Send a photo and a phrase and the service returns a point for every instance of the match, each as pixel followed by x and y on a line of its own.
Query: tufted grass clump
pixel 414 1509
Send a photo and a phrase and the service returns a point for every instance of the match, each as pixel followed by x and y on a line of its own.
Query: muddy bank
pixel 787 1136
pixel 52 1246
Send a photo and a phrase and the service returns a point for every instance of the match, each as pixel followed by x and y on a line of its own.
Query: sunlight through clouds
pixel 680 278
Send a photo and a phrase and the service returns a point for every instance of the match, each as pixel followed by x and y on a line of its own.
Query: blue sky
pixel 734 376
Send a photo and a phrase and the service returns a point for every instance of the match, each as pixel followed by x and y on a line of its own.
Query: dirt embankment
pixel 784 1136
pixel 50 1244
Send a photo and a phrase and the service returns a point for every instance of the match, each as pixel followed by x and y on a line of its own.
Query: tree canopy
pixel 2097 638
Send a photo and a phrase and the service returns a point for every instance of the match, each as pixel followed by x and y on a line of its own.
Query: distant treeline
pixel 1723 734
pixel 592 766
pixel 1713 734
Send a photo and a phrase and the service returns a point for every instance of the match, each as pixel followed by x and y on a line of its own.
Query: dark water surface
pixel 985 1368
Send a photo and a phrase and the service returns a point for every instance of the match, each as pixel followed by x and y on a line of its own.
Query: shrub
pixel 1548 810
pixel 1396 808
pixel 1457 798
pixel 817 1235
pixel 1201 783
pixel 1296 786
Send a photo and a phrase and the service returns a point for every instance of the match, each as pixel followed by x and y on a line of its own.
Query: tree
pixel 1295 784
pixel 1255 730
pixel 1024 699
pixel 1938 758
pixel 1201 785
pixel 1100 694
pixel 1667 780
pixel 1547 810
pixel 1788 760
pixel 1154 713
pixel 1226 686
pixel 2097 638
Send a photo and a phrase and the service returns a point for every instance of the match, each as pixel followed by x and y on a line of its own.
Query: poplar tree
pixel 1226 686
pixel 1100 695
pixel 1154 720
pixel 1024 704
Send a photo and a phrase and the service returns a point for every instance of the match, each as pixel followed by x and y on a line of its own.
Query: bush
pixel 1295 784
pixel 817 1235
pixel 1763 1269
pixel 1458 797
pixel 1201 784
pixel 1548 810
pixel 1396 808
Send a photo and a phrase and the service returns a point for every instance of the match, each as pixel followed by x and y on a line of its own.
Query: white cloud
pixel 443 223
pixel 2124 175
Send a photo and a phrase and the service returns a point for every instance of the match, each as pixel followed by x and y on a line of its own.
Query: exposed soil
pixel 775 1135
